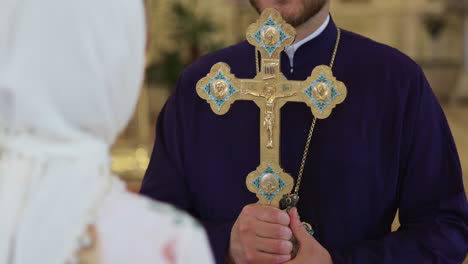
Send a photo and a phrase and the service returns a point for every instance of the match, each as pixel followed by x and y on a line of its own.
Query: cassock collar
pixel 312 52
pixel 290 50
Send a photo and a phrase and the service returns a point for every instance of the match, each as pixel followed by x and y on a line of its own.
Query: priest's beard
pixel 295 12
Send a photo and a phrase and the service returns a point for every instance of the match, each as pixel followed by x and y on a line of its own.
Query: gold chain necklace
pixel 314 121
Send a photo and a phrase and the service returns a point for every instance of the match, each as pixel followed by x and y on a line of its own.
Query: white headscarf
pixel 70 73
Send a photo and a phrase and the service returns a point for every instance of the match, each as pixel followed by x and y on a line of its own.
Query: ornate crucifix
pixel 270 90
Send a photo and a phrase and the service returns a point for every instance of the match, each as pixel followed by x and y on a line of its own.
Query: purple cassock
pixel 386 147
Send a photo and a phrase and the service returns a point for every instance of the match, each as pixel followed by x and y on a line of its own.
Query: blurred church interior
pixel 434 33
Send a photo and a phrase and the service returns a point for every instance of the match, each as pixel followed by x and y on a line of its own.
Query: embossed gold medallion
pixel 270 90
pixel 220 89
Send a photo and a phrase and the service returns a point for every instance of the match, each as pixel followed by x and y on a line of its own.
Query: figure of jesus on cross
pixel 269 93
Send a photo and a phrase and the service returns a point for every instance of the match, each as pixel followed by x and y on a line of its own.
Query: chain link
pixel 335 50
pixel 304 156
pixel 256 61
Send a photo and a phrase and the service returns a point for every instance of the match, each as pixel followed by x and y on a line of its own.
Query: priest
pixel 387 147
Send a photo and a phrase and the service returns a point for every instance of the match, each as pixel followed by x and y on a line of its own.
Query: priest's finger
pixel 297 228
pixel 271 215
pixel 267 258
pixel 274 246
pixel 275 231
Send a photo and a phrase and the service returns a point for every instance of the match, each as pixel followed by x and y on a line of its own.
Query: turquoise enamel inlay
pixel 232 90
pixel 334 92
pixel 258 36
pixel 281 183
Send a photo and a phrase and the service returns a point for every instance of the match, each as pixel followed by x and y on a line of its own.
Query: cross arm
pixel 220 88
pixel 321 91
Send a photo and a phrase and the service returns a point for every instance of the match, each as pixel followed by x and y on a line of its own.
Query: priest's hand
pixel 310 251
pixel 261 234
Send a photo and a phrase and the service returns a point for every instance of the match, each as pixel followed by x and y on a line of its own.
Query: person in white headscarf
pixel 70 73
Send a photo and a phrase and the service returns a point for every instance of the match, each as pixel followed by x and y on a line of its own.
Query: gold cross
pixel 270 90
